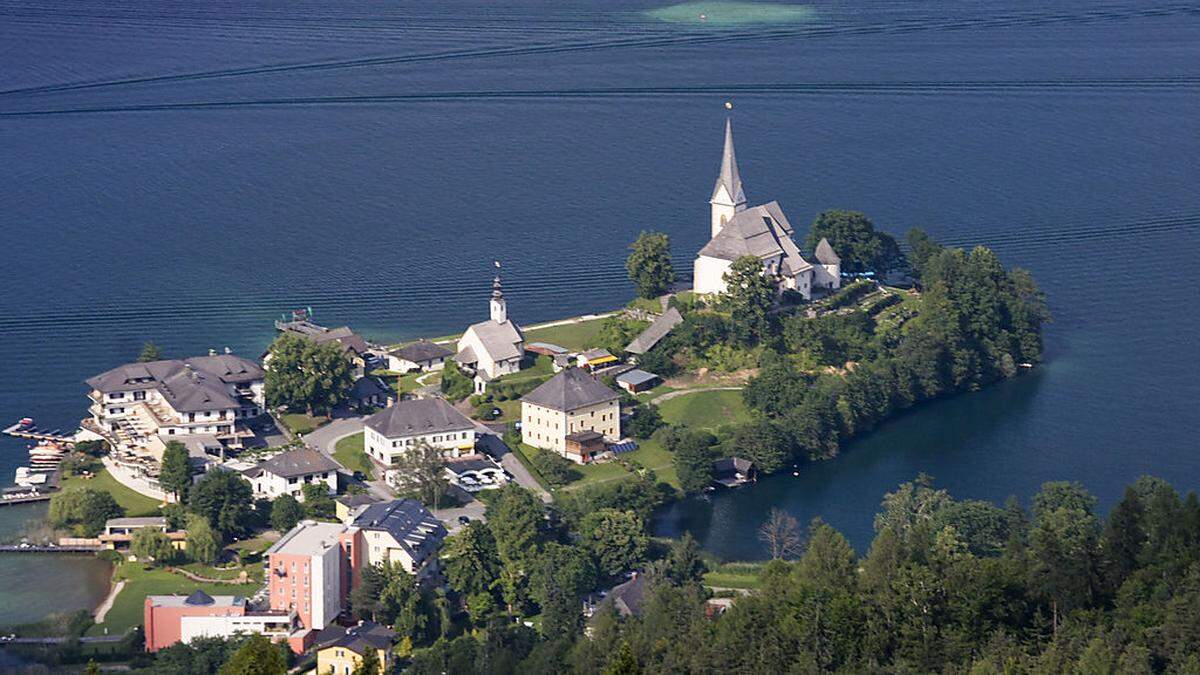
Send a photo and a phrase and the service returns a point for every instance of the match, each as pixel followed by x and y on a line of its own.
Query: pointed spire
pixel 729 176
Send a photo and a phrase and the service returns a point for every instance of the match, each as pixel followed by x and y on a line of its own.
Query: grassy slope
pixel 134 503
pixel 705 409
pixel 573 336
pixel 128 608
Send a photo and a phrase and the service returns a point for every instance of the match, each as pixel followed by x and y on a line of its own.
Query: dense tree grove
pixel 856 241
pixel 947 586
pixel 83 510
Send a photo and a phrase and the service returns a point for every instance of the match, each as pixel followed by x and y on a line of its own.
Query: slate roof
pixel 300 462
pixel 825 254
pixel 143 521
pixel 198 597
pixel 356 638
pixel 412 526
pixel 656 331
pixel 418 417
pixel 500 340
pixel 345 337
pixel 636 377
pixel 629 597
pixel 366 387
pixel 732 465
pixel 729 178
pixel 570 389
pixel 463 465
pixel 759 231
pixel 422 350
pixel 189 385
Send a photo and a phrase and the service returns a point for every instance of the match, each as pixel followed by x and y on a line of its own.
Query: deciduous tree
pixel 781 534
pixel 748 295
pixel 224 498
pixel 649 264
pixel 175 476
pixel 420 473
pixel 285 513
pixel 202 544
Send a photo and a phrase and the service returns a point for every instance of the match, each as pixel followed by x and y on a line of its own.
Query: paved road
pixel 324 440
pixel 496 447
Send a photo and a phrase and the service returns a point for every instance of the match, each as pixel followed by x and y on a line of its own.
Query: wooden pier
pixel 32 432
pixel 5 500
pixel 34 548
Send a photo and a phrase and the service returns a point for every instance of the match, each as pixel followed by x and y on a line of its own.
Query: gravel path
pixel 102 610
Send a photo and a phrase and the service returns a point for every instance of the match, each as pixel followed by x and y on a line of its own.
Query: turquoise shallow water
pixel 186 173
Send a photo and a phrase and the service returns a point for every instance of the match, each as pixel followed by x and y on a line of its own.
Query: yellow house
pixel 340 650
pixel 558 414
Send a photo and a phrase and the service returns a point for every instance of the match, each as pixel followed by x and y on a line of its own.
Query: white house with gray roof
pixel 392 431
pixel 494 347
pixel 763 232
pixel 288 472
pixel 572 401
pixel 140 406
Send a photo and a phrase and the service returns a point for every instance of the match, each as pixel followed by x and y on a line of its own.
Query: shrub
pixel 850 294
pixel 556 469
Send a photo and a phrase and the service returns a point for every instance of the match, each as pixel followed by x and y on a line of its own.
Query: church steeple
pixel 499 308
pixel 728 197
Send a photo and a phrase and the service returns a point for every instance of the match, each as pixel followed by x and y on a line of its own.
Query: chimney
pixel 212 352
pixel 228 350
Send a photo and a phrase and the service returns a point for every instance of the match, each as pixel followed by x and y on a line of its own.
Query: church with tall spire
pixel 492 348
pixel 738 230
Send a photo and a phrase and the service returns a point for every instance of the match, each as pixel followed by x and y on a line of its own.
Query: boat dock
pixel 34 548
pixel 25 498
pixel 28 430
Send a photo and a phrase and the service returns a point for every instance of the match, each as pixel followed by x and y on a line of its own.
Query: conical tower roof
pixel 729 178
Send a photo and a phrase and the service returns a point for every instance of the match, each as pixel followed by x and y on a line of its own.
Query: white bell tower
pixel 499 308
pixel 728 197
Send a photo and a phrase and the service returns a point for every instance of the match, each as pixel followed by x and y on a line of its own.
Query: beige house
pixel 400 531
pixel 567 404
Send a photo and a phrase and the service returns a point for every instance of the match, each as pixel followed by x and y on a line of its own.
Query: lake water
pixel 186 173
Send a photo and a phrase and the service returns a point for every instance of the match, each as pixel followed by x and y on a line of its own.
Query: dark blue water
pixel 184 173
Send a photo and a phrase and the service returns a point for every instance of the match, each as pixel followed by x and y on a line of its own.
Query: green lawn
pixel 573 336
pixel 139 582
pixel 303 423
pixel 652 455
pixel 733 575
pixel 705 409
pixel 134 503
pixel 542 368
pixel 349 453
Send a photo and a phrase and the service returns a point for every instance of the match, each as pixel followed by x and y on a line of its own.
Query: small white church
pixel 494 347
pixel 760 231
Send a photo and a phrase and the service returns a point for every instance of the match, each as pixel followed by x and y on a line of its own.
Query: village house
pixel 655 332
pixel 168 619
pixel 140 406
pixel 400 531
pixel 492 348
pixel 636 381
pixel 288 472
pixel 371 392
pixel 118 532
pixel 573 401
pixel 391 431
pixel 340 650
pixel 422 355
pixel 348 504
pixel 594 359
pixel 759 231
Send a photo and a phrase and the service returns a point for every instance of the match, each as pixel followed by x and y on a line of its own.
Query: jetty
pixel 28 430
pixel 47 548
pixel 26 497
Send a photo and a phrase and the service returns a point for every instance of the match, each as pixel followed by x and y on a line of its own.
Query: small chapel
pixel 761 231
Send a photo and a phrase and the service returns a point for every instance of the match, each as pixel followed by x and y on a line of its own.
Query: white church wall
pixel 709 275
